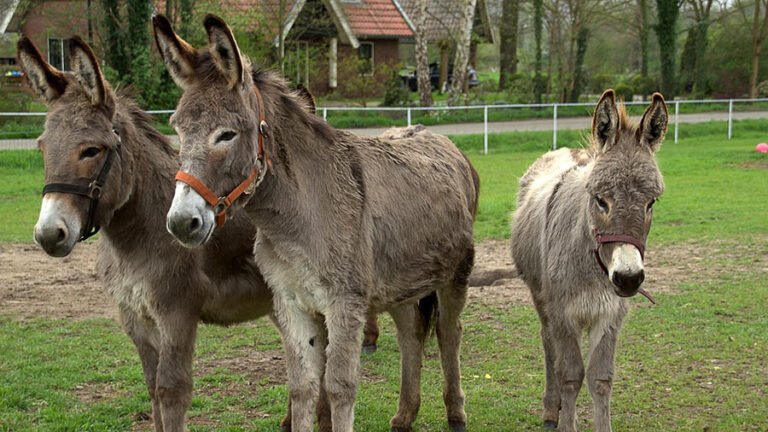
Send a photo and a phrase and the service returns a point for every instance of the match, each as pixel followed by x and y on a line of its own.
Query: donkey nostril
pixel 194 224
pixel 641 277
pixel 61 235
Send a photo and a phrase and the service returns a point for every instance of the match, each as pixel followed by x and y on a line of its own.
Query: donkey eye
pixel 89 152
pixel 226 136
pixel 603 205
pixel 650 206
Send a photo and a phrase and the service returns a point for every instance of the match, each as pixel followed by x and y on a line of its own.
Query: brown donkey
pixel 346 223
pixel 98 141
pixel 578 240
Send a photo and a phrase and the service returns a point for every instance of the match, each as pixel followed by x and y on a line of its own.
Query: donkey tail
pixel 428 311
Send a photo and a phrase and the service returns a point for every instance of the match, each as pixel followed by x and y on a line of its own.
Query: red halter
pixel 221 204
pixel 619 238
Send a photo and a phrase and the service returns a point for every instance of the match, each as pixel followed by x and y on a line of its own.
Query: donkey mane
pixel 271 83
pixel 143 124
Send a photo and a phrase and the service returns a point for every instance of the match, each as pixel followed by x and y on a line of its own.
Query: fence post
pixel 554 127
pixel 677 112
pixel 409 116
pixel 730 118
pixel 325 114
pixel 485 129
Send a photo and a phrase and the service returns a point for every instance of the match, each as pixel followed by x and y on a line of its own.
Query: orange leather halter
pixel 221 204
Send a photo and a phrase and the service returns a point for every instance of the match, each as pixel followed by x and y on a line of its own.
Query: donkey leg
pixel 303 338
pixel 411 332
pixel 174 372
pixel 371 333
pixel 146 337
pixel 600 373
pixel 450 303
pixel 551 400
pixel 345 320
pixel 570 370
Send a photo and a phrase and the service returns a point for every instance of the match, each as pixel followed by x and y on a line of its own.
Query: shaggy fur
pixel 346 223
pixel 558 207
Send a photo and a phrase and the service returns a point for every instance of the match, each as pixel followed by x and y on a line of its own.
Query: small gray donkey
pixel 578 239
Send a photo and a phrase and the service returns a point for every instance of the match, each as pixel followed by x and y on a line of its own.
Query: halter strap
pixel 619 238
pixel 263 164
pixel 92 191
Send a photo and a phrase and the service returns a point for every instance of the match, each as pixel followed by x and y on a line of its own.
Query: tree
pixel 578 73
pixel 759 26
pixel 461 59
pixel 113 36
pixel 508 61
pixel 538 24
pixel 642 6
pixel 666 32
pixel 422 59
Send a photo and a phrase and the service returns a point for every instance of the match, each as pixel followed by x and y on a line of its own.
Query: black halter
pixel 92 191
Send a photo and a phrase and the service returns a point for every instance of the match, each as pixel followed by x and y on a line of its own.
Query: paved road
pixel 494 127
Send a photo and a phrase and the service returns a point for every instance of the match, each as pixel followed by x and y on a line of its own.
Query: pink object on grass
pixel 762 148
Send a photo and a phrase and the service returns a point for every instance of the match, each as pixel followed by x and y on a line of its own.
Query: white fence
pixel 763 113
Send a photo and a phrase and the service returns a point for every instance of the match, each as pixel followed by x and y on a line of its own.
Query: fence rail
pixel 486 108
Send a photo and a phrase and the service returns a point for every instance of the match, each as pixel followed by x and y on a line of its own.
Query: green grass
pixel 696 361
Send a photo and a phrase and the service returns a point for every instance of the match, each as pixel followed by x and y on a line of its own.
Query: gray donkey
pixel 578 240
pixel 345 223
pixel 106 166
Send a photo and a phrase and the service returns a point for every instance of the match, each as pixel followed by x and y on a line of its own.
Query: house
pixel 319 34
pixel 371 30
pixel 48 23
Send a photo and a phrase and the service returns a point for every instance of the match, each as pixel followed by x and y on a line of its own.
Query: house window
pixel 365 53
pixel 58 55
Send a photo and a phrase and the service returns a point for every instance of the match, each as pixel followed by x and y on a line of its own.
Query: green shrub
pixel 625 91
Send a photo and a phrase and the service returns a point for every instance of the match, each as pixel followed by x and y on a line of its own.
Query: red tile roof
pixel 375 18
pixel 367 18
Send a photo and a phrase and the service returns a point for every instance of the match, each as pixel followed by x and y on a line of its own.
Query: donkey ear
pixel 86 70
pixel 605 122
pixel 653 126
pixel 179 57
pixel 224 49
pixel 47 81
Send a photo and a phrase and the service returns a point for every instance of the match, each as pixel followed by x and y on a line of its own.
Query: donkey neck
pixel 147 164
pixel 311 190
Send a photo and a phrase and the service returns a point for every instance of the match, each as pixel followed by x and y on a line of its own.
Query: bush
pixel 519 88
pixel 625 91
pixel 762 89
pixel 396 94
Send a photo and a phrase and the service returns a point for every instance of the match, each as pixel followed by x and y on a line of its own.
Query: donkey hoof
pixel 458 427
pixel 286 428
pixel 369 349
pixel 550 425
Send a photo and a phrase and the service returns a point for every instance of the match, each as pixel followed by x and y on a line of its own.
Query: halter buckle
pixel 221 205
pixel 94 190
pixel 263 127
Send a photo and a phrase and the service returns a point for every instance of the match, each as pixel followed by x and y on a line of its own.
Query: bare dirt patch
pixel 32 284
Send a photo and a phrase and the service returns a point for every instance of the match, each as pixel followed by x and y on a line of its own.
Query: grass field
pixel 696 361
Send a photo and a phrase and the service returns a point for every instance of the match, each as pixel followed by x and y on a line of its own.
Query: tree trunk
pixel 668 11
pixel 422 58
pixel 538 23
pixel 578 69
pixel 462 52
pixel 758 35
pixel 508 60
pixel 444 56
pixel 643 33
